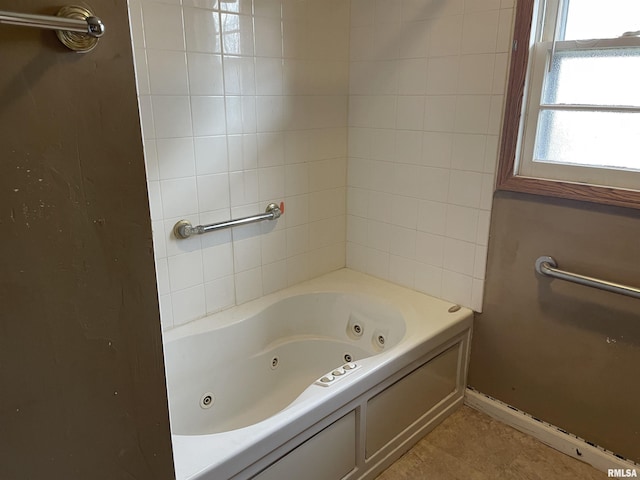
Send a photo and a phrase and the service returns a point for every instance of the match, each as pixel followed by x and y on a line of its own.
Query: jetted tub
pixel 333 378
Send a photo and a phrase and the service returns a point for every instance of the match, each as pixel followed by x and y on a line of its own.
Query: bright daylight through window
pixel 581 106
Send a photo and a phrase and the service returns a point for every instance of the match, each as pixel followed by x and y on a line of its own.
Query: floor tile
pixel 470 445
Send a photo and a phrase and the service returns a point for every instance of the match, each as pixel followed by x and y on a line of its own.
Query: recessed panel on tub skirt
pixel 401 404
pixel 329 454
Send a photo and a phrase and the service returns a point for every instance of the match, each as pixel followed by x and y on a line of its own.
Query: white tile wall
pixel 376 122
pixel 242 103
pixel 427 82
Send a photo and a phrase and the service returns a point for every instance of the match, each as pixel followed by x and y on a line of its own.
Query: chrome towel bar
pixel 77 27
pixel 184 229
pixel 548 266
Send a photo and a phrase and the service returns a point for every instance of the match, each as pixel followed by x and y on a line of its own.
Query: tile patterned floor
pixel 470 445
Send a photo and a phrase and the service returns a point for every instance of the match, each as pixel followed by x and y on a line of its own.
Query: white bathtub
pixel 332 378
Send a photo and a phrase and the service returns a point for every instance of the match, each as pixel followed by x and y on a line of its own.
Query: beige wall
pixel 81 366
pixel 565 353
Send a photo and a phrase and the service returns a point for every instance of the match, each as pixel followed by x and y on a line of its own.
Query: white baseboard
pixel 554 437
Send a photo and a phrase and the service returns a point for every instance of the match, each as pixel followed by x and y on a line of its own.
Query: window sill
pixel 574 191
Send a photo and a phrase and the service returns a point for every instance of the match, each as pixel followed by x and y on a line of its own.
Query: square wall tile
pixel 440 113
pixel 410 113
pixel 480 32
pixel 428 279
pixel 179 197
pixel 188 305
pixel 241 114
pixel 476 74
pixel 445 36
pixel 208 116
pixel 243 152
pixel 465 188
pixel 271 183
pixel 248 285
pixel 402 242
pixel 437 149
pixel 163 26
pixel 205 74
pixel 432 217
pixel 268 8
pixel 459 257
pixel 274 247
pixel 269 71
pixel 247 254
pixel 167 72
pixel 274 277
pixel 472 114
pixel 171 116
pixel 237 34
pixel 243 187
pixel 377 263
pixel 268 37
pixel 202 30
pixel 211 154
pixel 185 270
pixel 213 192
pixel 443 75
pixel 415 38
pixel 468 152
pixel 220 294
pixel 430 248
pixel 462 223
pixel 456 287
pixel 176 158
pixel 217 260
pixel 402 271
pixel 327 203
pixel 239 75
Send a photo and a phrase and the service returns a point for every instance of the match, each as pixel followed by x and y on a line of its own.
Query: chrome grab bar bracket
pixel 542 264
pixel 184 229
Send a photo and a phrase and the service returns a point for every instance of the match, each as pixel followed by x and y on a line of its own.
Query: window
pixel 572 123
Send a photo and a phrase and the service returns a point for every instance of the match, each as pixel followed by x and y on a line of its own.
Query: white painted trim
pixel 569 444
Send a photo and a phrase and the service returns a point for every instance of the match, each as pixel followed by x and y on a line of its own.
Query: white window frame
pixel 539 58
pixel 527 68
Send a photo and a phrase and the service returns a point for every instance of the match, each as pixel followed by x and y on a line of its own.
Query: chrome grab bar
pixel 86 27
pixel 548 266
pixel 184 229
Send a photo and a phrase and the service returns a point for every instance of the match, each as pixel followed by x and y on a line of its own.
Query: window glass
pixel 588 110
pixel 593 138
pixel 607 76
pixel 600 19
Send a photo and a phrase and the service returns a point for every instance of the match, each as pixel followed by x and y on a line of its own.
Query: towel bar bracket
pixel 76 26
